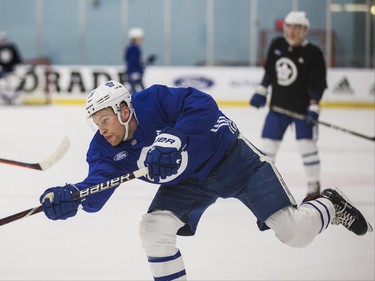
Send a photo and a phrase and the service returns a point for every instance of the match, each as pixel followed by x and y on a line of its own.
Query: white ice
pixel 228 244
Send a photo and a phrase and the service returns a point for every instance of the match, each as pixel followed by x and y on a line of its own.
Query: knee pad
pixel 157 232
pixel 270 148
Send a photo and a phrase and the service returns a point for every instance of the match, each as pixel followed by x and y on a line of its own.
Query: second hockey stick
pixel 45 164
pixel 80 195
pixel 303 117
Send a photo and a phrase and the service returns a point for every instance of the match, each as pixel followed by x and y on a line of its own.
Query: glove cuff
pixel 261 90
pixel 171 137
pixel 72 188
pixel 49 193
pixel 314 108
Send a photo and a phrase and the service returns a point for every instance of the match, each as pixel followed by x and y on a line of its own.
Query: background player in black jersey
pixel 296 70
pixel 10 58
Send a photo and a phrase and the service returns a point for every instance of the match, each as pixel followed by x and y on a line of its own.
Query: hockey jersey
pixel 134 60
pixel 9 57
pixel 296 74
pixel 208 130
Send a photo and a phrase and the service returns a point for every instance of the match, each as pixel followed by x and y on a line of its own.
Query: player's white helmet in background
pixel 136 32
pixel 109 94
pixel 296 18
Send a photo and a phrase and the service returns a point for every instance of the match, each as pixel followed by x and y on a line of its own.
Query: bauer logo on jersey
pixel 286 71
pixel 121 155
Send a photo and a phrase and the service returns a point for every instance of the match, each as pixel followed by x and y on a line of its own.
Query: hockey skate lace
pixel 343 217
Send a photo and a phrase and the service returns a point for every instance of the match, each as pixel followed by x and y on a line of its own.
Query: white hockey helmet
pixel 136 32
pixel 298 18
pixel 108 94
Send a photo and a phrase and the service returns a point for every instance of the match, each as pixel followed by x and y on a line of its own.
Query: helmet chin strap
pixel 126 124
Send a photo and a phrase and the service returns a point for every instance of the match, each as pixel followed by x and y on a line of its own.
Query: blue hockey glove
pixel 58 203
pixel 313 113
pixel 164 157
pixel 259 98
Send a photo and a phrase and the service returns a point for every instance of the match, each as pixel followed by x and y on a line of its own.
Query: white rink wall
pixel 228 85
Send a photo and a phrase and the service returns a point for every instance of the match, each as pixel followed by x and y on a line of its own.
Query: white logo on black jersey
pixel 6 56
pixel 286 71
pixel 277 52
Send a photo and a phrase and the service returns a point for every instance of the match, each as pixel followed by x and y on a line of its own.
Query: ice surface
pixel 228 244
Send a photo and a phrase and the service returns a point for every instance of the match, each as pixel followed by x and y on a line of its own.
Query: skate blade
pixel 369 227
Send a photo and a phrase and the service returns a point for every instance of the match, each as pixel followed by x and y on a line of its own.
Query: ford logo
pixel 198 82
pixel 121 155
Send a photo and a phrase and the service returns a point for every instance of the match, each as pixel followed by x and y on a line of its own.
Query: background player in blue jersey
pixel 135 63
pixel 296 71
pixel 197 155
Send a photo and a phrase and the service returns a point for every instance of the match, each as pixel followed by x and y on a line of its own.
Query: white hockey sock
pixel 270 148
pixel 325 209
pixel 168 268
pixel 311 160
pixel 297 227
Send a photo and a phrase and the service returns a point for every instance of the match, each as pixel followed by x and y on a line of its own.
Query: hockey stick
pixel 303 117
pixel 82 194
pixel 46 164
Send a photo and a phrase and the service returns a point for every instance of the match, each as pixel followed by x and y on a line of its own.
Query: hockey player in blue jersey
pixel 134 61
pixel 296 71
pixel 197 155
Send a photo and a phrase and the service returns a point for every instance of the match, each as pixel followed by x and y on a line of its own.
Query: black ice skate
pixel 345 213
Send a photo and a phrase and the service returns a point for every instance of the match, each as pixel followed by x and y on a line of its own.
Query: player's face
pixel 294 34
pixel 138 41
pixel 109 126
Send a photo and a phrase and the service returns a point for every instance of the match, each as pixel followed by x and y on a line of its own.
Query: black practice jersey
pixel 297 74
pixel 9 57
